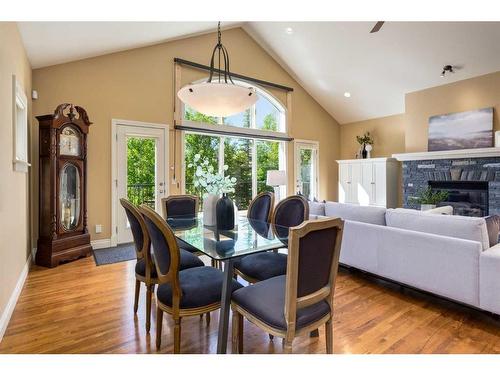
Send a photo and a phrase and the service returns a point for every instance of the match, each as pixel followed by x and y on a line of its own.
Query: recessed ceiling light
pixel 289 30
pixel 347 94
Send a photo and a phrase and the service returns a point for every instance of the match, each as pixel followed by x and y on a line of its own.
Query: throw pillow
pixel 493 227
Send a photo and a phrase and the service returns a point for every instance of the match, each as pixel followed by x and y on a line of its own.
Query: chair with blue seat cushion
pixel 302 300
pixel 145 270
pixel 289 212
pixel 181 293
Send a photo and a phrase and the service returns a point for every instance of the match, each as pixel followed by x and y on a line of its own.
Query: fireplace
pixel 468 198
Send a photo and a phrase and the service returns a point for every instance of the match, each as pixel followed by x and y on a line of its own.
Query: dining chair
pixel 300 301
pixel 180 293
pixel 289 212
pixel 145 270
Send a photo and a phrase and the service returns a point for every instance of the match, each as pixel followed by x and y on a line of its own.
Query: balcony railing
pixel 141 194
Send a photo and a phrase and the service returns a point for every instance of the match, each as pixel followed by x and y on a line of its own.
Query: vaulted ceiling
pixel 327 58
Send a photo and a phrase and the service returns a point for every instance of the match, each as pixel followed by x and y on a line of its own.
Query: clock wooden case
pixel 63 233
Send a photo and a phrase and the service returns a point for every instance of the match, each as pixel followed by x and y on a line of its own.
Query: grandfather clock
pixel 63 233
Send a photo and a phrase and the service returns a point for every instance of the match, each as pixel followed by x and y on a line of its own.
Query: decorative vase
pixel 225 213
pixel 209 211
pixel 364 153
pixel 368 149
pixel 426 207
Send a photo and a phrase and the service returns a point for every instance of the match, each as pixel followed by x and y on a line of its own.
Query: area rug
pixel 120 253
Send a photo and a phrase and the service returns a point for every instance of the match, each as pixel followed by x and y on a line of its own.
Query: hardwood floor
pixel 80 308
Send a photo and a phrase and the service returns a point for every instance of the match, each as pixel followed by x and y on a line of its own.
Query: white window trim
pixel 19 101
pixel 307 144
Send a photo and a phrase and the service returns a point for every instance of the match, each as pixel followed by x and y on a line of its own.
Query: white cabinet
pixel 369 182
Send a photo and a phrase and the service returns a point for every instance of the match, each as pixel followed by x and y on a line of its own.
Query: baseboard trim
pixel 101 244
pixel 11 304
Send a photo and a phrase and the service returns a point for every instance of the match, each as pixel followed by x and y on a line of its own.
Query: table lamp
pixel 276 179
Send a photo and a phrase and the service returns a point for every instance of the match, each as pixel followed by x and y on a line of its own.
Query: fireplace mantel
pixel 450 154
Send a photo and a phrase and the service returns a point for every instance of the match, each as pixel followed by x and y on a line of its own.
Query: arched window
pixel 244 146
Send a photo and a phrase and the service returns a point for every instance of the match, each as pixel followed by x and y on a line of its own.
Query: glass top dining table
pixel 249 236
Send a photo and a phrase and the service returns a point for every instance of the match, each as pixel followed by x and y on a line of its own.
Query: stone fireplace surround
pixel 419 169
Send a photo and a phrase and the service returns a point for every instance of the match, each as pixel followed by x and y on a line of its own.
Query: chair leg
pixel 237 336
pixel 149 297
pixel 177 336
pixel 136 298
pixel 329 336
pixel 287 347
pixel 159 321
pixel 208 318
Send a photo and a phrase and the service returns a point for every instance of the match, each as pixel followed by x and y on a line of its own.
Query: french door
pixel 140 171
pixel 306 168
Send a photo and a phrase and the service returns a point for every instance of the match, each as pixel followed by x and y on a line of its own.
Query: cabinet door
pixel 380 184
pixel 365 187
pixel 355 183
pixel 344 183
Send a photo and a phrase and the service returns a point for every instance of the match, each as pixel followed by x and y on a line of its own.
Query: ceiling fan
pixel 377 27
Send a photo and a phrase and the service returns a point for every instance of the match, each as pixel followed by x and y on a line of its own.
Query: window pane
pixel 267 159
pixel 193 115
pixel 267 115
pixel 208 148
pixel 141 155
pixel 240 120
pixel 238 158
pixel 306 172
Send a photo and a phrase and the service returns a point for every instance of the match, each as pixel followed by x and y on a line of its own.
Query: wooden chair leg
pixel 136 297
pixel 149 297
pixel 177 336
pixel 287 347
pixel 159 321
pixel 329 336
pixel 237 337
pixel 208 318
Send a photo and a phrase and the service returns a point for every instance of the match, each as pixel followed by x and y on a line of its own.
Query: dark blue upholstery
pixel 181 207
pixel 135 227
pixel 260 208
pixel 266 301
pixel 160 246
pixel 315 259
pixel 262 266
pixel 290 213
pixel 200 286
pixel 187 260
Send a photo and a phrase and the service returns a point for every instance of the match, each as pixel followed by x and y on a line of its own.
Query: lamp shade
pixel 218 98
pixel 276 178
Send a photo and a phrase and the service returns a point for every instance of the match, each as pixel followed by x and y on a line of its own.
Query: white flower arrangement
pixel 209 180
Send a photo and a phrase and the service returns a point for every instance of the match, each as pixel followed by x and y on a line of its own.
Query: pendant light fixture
pixel 218 96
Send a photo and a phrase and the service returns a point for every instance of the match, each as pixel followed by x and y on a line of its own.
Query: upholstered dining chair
pixel 180 293
pixel 289 212
pixel 180 206
pixel 302 300
pixel 145 270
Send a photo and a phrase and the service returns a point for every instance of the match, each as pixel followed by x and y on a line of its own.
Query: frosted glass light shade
pixel 276 178
pixel 218 99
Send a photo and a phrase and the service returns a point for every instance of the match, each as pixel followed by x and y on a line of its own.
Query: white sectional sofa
pixel 449 256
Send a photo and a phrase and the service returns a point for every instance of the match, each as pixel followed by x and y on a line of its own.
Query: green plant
pixel 365 139
pixel 429 196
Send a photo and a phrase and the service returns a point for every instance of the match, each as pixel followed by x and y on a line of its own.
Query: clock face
pixel 69 142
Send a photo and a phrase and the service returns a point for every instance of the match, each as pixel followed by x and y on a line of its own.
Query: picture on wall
pixel 462 130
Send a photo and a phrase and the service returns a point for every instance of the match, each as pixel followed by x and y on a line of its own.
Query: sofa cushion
pixel 467 228
pixel 317 208
pixel 354 212
pixel 493 227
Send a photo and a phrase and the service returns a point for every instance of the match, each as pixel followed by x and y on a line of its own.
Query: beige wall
pixel 14 186
pixel 388 135
pixel 138 85
pixel 469 94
